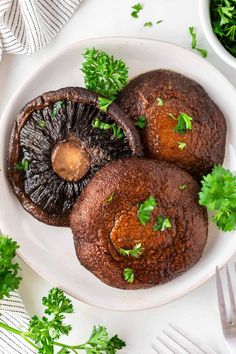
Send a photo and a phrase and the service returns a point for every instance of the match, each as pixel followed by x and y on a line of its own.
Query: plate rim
pixel 13 98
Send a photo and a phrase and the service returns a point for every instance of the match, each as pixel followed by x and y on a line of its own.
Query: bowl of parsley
pixel 218 19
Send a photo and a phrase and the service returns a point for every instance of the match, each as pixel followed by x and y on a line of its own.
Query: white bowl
pixel 204 11
pixel 49 250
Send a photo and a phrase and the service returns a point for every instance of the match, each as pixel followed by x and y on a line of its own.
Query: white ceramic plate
pixel 49 250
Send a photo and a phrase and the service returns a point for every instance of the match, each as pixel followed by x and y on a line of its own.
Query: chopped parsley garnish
pixel 136 9
pixel 148 24
pixel 160 101
pixel 184 124
pixel 145 210
pixel 56 108
pixel 135 252
pixel 193 34
pixel 41 123
pixel 104 103
pixel 140 122
pixel 129 275
pixel 22 166
pixel 158 22
pixel 181 145
pixel 182 187
pixel 117 131
pixel 223 17
pixel 218 194
pixel 104 74
pixel 109 198
pixel 162 223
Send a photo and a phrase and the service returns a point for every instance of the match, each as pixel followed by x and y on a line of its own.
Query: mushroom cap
pixel 67 115
pixel 104 219
pixel 205 141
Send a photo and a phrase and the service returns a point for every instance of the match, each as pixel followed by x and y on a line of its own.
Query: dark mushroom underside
pixel 42 185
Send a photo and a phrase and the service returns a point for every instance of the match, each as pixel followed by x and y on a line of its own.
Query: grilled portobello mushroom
pixel 106 223
pixel 58 142
pixel 161 96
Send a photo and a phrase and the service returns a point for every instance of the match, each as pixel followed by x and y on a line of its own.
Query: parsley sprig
pixel 104 74
pixel 141 122
pixel 43 333
pixel 135 252
pixel 193 34
pixel 162 223
pixel 218 194
pixel 117 131
pixel 223 17
pixel 129 275
pixel 184 124
pixel 145 210
pixel 22 165
pixel 136 9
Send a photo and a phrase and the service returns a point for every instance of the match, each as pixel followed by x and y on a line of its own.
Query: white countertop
pixel 196 312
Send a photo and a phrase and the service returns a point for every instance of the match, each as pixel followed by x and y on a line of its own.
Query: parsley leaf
pixel 114 344
pixel 218 194
pixel 117 131
pixel 193 34
pixel 181 145
pixel 162 223
pixel 158 22
pixel 41 123
pixel 148 24
pixel 160 101
pixel 182 187
pixel 184 124
pixel 110 198
pixel 129 275
pixel 136 252
pixel 136 9
pixel 22 166
pixel 9 279
pixel 56 108
pixel 104 103
pixel 104 74
pixel 223 17
pixel 145 210
pixel 140 122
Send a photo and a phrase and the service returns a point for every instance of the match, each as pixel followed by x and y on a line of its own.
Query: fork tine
pixel 169 346
pixel 194 341
pixel 231 296
pixel 185 346
pixel 221 300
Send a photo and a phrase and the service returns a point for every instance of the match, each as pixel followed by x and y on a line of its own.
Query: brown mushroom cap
pixel 205 142
pixel 65 151
pixel 104 219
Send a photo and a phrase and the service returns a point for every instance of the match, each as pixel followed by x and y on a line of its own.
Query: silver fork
pixel 228 320
pixel 177 341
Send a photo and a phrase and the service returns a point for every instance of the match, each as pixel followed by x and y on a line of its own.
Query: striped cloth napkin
pixel 28 25
pixel 14 314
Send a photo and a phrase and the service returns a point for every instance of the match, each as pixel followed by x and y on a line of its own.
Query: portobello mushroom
pixel 130 243
pixel 163 96
pixel 58 142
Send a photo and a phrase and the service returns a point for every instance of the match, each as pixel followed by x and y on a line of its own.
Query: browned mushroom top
pixel 115 233
pixel 162 98
pixel 56 148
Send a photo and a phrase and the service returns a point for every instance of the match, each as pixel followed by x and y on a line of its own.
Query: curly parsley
pixel 129 275
pixel 218 194
pixel 104 75
pixel 44 333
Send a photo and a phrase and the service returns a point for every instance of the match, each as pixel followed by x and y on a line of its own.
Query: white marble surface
pixel 196 312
